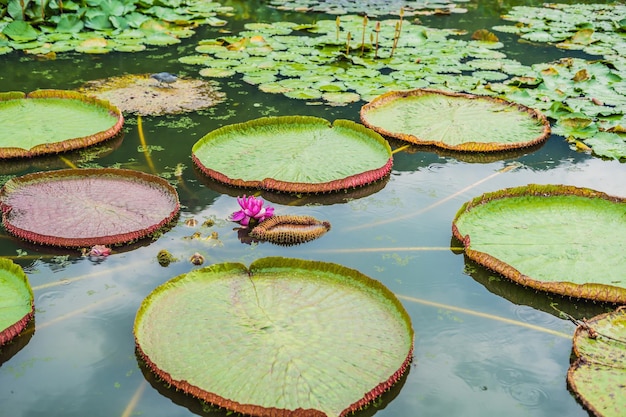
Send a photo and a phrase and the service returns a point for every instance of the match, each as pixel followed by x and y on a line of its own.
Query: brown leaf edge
pixel 463 147
pixel 596 292
pixel 585 329
pixel 260 411
pixel 290 230
pixel 270 184
pixel 16 328
pixel 117 239
pixel 69 144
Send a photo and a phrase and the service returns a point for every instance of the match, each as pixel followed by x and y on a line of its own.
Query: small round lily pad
pixel 457 121
pixel 298 154
pixel 54 121
pixel 555 238
pixel 284 337
pixel 16 300
pixel 598 376
pixel 86 207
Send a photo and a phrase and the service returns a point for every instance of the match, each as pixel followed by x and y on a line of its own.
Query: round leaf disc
pixel 598 376
pixel 16 300
pixel 457 121
pixel 294 154
pixel 85 207
pixel 283 337
pixel 53 121
pixel 554 238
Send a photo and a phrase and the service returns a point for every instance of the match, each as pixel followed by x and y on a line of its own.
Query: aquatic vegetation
pixel 142 95
pixel 371 7
pixel 457 121
pixel 598 375
pixel 101 26
pixel 17 303
pixel 54 121
pixel 86 207
pixel 164 257
pixel 289 230
pixel 295 154
pixel 99 251
pixel 350 336
pixel 252 211
pixel 532 235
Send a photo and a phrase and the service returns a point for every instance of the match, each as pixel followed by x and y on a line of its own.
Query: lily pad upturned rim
pixel 592 291
pixel 272 184
pixel 584 334
pixel 12 331
pixel 391 96
pixel 70 143
pixel 273 267
pixel 78 242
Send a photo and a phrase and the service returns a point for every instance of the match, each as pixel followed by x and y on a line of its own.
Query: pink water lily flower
pixel 99 250
pixel 252 211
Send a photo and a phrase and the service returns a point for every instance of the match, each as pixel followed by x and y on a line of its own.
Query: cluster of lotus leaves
pixel 140 94
pixel 598 375
pixel 98 27
pixel 86 207
pixel 352 58
pixel 289 230
pixel 295 154
pixel 284 337
pixel 54 121
pixel 554 238
pixel 456 121
pixel 17 306
pixel 371 7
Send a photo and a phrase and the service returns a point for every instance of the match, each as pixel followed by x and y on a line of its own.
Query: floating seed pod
pixel 191 222
pixel 196 259
pixel 290 230
pixel 165 257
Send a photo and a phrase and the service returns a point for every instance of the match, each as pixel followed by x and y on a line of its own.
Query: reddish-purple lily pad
pixel 86 207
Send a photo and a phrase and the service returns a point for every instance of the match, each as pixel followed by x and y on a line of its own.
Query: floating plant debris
pixel 296 154
pixel 457 121
pixel 16 300
pixel 143 95
pixel 534 236
pixel 253 339
pixel 290 230
pixel 598 376
pixel 86 207
pixel 54 121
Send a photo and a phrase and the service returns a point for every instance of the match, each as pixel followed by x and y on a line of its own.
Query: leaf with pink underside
pixel 86 207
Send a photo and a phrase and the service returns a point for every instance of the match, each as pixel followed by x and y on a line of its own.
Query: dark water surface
pixel 483 346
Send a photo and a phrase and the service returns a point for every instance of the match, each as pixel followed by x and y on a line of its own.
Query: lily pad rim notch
pixel 271 264
pixel 129 236
pixel 390 96
pixel 271 184
pixel 590 291
pixel 70 143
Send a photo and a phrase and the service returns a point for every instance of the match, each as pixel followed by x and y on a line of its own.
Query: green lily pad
pixel 457 121
pixel 555 238
pixel 282 337
pixel 598 376
pixel 16 300
pixel 299 154
pixel 54 121
pixel 87 207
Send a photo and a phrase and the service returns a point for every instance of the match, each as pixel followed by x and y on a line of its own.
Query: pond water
pixel 483 346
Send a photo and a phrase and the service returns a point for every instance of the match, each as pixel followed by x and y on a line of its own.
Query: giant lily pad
pixel 555 238
pixel 54 121
pixel 598 376
pixel 86 207
pixel 284 337
pixel 299 154
pixel 457 121
pixel 16 300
